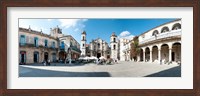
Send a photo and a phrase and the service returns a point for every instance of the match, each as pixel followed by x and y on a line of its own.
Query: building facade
pixel 125 47
pixel 36 47
pixel 161 44
pixel 97 47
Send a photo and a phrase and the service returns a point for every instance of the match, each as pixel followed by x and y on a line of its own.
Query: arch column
pixel 159 53
pixel 170 52
pixel 144 55
pixel 150 55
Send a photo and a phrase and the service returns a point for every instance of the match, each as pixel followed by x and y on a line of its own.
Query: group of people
pixel 108 61
pixel 46 62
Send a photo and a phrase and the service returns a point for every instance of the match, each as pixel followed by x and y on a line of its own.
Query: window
pixel 98 45
pixel 83 38
pixel 46 43
pixel 62 45
pixel 155 32
pixel 36 42
pixel 176 26
pixel 53 44
pixel 22 40
pixel 113 39
pixel 164 29
pixel 83 45
pixel 114 47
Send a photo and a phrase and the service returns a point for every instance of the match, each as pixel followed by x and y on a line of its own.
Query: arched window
pixel 164 29
pixel 176 26
pixel 46 43
pixel 35 41
pixel 22 40
pixel 98 45
pixel 114 40
pixel 114 47
pixel 155 32
pixel 83 37
pixel 83 45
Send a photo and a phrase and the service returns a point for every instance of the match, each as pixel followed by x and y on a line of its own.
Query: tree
pixel 134 51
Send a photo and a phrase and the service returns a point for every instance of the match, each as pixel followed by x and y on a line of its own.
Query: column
pixel 150 55
pixel 159 55
pixel 144 56
pixel 170 54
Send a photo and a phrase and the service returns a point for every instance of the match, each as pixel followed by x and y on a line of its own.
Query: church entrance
pixel 98 55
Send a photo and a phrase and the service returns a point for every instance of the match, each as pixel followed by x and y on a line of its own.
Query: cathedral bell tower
pixel 114 46
pixel 83 43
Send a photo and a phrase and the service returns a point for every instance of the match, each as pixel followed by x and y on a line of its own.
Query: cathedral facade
pixel 100 48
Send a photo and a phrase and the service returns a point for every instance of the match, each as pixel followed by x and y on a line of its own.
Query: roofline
pixel 159 26
pixel 38 33
pixel 69 36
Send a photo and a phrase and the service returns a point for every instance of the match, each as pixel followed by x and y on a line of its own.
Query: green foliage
pixel 134 48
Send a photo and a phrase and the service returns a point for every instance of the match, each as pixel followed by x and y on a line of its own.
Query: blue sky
pixel 95 28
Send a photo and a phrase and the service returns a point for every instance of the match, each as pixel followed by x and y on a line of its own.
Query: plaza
pixel 121 69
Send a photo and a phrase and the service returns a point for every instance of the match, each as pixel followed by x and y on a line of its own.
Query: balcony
pixel 160 36
pixel 29 45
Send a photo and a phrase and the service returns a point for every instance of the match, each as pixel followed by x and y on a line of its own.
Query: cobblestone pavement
pixel 122 69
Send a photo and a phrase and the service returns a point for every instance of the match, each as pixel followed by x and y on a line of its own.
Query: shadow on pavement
pixel 55 64
pixel 172 72
pixel 50 73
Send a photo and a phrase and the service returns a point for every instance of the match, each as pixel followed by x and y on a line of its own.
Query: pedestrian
pixel 44 62
pixel 49 62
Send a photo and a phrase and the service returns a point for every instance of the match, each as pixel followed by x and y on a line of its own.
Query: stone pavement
pixel 122 69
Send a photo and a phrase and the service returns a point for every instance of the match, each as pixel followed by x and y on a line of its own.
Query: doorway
pixel 173 56
pixel 45 56
pixel 36 57
pixel 98 55
pixel 22 57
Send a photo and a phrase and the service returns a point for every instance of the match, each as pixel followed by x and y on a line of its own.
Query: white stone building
pixel 125 46
pixel 97 47
pixel 161 44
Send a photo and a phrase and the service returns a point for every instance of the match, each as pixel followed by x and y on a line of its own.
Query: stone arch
pixel 176 26
pixel 147 54
pixel 176 52
pixel 155 32
pixel 141 54
pixel 164 29
pixel 164 53
pixel 154 53
pixel 22 57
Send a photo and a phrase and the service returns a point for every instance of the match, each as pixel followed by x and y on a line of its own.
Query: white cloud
pixel 125 34
pixel 67 23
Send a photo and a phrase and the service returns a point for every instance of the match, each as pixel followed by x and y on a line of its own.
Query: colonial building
pixel 162 43
pixel 125 47
pixel 36 47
